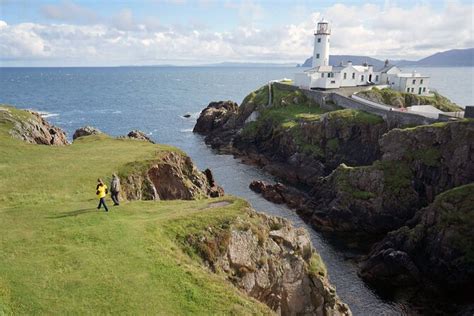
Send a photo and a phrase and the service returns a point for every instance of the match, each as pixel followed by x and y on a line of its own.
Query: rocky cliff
pixel 417 164
pixel 271 261
pixel 171 175
pixel 436 246
pixel 293 138
pixel 30 127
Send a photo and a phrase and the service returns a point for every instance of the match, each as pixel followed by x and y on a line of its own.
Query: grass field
pixel 60 255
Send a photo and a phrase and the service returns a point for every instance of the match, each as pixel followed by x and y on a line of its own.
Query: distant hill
pixel 335 60
pixel 453 58
pixel 248 64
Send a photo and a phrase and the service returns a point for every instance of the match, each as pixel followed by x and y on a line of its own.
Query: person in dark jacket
pixel 101 192
pixel 115 189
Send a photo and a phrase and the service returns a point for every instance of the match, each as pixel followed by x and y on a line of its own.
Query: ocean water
pixel 154 99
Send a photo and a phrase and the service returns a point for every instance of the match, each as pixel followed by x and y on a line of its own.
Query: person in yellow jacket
pixel 101 192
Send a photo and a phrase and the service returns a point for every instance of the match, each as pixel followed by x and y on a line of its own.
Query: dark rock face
pixel 271 261
pixel 86 131
pixel 280 193
pixel 417 165
pixel 173 176
pixel 435 153
pixel 34 129
pixel 437 246
pixel 139 135
pixel 215 116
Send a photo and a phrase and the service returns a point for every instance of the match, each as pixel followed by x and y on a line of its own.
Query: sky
pixel 191 32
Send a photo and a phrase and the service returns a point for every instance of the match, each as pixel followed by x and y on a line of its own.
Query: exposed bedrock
pixel 170 176
pixel 86 131
pixel 271 261
pixel 436 246
pixel 417 164
pixel 32 128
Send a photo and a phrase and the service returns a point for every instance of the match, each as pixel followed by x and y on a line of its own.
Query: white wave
pixel 45 114
pixel 186 130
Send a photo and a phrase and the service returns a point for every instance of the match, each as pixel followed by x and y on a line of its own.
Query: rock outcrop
pixel 280 194
pixel 170 176
pixel 86 131
pixel 30 127
pixel 436 246
pixel 215 116
pixel 417 164
pixel 271 261
pixel 139 135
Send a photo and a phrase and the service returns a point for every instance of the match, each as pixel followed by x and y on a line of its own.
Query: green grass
pixel 317 266
pixel 403 99
pixel 349 116
pixel 59 255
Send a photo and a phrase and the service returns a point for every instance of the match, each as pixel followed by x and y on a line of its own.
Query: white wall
pixel 302 79
pixel 321 48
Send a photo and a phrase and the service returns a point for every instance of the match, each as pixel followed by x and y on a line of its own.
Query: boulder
pixel 139 135
pixel 279 193
pixel 86 131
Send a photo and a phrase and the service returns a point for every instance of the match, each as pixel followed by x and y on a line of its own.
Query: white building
pixel 324 76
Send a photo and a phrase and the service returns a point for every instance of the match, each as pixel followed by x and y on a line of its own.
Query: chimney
pixel 349 63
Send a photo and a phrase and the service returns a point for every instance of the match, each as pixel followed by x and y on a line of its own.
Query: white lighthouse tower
pixel 321 44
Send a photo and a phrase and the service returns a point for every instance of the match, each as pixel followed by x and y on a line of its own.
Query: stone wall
pixel 330 101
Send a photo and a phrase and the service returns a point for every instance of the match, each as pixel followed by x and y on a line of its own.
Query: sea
pixel 155 100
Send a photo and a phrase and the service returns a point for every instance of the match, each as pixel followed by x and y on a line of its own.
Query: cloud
pixel 384 31
pixel 68 11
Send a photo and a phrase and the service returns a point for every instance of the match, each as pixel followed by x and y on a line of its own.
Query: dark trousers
pixel 102 202
pixel 114 195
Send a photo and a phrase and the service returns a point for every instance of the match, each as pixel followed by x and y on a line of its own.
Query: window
pixel 408 89
pixel 345 76
pixel 376 77
pixel 322 75
pixel 412 90
pixel 362 78
pixel 333 81
pixel 414 81
pixel 421 81
pixel 424 89
pixel 353 75
pixel 319 39
pixel 317 56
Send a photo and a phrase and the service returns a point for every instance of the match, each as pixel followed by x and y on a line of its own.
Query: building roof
pixel 360 68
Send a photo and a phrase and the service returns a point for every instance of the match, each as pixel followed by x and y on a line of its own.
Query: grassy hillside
pixel 60 255
pixel 402 99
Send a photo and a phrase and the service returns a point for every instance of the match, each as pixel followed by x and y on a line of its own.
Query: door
pixel 419 90
pixel 370 78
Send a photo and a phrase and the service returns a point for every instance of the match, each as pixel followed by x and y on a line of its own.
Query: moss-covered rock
pixel 438 245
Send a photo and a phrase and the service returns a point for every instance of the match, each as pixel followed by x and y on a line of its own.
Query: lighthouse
pixel 321 44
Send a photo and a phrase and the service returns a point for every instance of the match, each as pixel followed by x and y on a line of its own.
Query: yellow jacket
pixel 101 191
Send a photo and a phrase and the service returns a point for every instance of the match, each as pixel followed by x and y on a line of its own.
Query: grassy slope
pixel 60 255
pixel 396 98
pixel 290 108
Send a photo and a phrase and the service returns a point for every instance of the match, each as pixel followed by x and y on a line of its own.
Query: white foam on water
pixel 45 114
